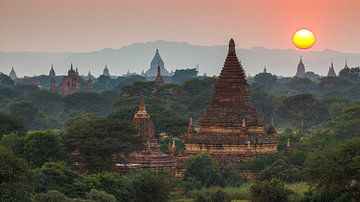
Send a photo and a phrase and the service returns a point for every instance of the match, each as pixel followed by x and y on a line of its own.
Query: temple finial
pixel 71 66
pixel 231 46
pixel 142 107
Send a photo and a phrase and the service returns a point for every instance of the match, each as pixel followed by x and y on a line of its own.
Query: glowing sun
pixel 304 39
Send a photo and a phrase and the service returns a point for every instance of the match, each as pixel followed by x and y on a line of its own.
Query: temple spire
pixel 232 46
pixel 142 107
pixel 158 80
pixel 346 64
pixel 71 66
pixel 272 129
pixel 331 72
pixel 190 130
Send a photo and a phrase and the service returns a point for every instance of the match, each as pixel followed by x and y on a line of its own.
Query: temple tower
pixel 149 157
pixel 230 130
pixel 12 74
pixel 155 63
pixel 52 72
pixel 231 101
pixel 300 69
pixel 106 71
pixel 331 72
pixel 159 80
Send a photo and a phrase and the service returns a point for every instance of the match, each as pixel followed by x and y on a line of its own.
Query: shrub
pixel 273 191
pixel 210 195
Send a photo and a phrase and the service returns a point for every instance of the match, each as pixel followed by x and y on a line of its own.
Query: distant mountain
pixel 176 55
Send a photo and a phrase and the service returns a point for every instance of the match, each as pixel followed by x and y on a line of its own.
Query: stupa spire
pixel 272 129
pixel 190 129
pixel 159 80
pixel 142 107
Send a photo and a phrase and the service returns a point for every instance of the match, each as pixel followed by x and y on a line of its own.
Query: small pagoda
pixel 231 131
pixel 149 157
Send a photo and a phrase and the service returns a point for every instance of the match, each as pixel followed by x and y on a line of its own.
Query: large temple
pixel 149 157
pixel 156 62
pixel 71 84
pixel 230 131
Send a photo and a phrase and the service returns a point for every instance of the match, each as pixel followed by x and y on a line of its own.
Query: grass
pixel 299 189
pixel 242 193
pixel 239 193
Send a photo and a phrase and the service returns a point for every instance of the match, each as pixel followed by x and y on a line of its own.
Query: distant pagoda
pixel 331 72
pixel 12 74
pixel 155 63
pixel 106 71
pixel 159 80
pixel 52 72
pixel 300 69
pixel 70 83
pixel 230 130
pixel 149 157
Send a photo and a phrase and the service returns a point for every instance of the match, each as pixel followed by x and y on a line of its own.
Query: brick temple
pixel 230 131
pixel 70 84
pixel 149 157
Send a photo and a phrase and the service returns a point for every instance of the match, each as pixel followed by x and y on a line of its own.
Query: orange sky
pixel 85 25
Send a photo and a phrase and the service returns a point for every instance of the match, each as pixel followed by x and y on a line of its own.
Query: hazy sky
pixel 86 25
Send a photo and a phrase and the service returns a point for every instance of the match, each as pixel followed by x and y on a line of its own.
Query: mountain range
pixel 176 55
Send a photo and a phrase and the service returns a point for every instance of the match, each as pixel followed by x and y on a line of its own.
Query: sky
pixel 87 25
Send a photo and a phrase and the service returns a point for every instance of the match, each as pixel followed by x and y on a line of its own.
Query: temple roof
pixel 231 100
pixel 155 63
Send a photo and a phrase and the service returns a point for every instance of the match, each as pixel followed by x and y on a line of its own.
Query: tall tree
pixel 98 139
pixel 10 124
pixel 303 111
pixel 16 178
pixel 335 171
pixel 43 146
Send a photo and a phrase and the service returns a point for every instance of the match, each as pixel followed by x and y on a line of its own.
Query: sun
pixel 304 39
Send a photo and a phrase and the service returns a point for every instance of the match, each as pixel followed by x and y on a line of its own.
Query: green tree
pixel 265 81
pixel 100 196
pixel 88 102
pixel 46 101
pixel 346 123
pixel 5 80
pixel 231 175
pixel 58 176
pixel 10 124
pixel 98 139
pixel 273 191
pixel 213 194
pixel 281 170
pixel 335 170
pixel 202 171
pixel 301 109
pixel 16 178
pixel 43 146
pixel 27 111
pixel 115 184
pixel 151 186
